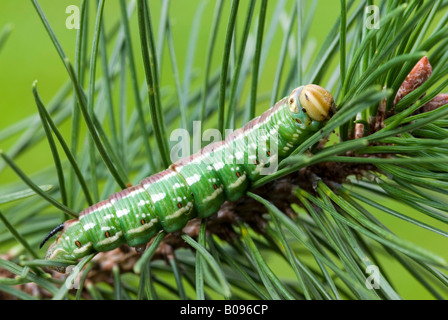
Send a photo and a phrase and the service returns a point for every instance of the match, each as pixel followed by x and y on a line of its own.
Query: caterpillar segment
pixel 206 186
pixel 197 185
pixel 232 175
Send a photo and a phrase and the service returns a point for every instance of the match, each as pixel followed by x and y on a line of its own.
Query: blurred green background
pixel 29 55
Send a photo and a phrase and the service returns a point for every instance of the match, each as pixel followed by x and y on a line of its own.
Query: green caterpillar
pixel 195 186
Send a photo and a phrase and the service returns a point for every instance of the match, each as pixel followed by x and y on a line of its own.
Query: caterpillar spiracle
pixel 194 187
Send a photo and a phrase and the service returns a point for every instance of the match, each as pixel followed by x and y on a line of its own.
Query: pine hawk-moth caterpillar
pixel 195 186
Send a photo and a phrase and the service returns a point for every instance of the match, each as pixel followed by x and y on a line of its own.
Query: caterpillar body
pixel 197 185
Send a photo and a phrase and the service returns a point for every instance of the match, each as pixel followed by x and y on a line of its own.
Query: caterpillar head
pixel 310 103
pixel 72 244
